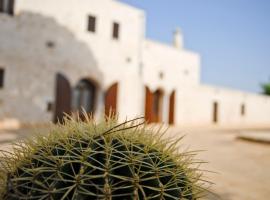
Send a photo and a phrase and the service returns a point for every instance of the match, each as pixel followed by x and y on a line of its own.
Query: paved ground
pixel 242 168
pixel 263 136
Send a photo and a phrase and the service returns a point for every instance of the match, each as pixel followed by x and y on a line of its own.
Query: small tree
pixel 266 88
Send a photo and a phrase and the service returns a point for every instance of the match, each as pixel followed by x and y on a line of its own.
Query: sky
pixel 232 36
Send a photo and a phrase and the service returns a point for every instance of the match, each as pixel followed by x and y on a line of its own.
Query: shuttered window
pixel 91 23
pixel 7 6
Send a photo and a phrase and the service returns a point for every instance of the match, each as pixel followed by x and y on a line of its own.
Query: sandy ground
pixel 242 168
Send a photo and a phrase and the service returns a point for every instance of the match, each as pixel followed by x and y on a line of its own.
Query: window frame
pixel 91 23
pixel 116 30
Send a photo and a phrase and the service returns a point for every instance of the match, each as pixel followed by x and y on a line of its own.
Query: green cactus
pixel 83 160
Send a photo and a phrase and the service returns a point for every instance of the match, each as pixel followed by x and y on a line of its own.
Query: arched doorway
pixel 62 98
pixel 153 105
pixel 171 108
pixel 157 105
pixel 111 100
pixel 84 97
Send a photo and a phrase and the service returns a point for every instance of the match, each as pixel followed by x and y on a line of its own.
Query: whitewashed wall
pixel 195 107
pixel 133 61
pixel 118 60
pixel 179 67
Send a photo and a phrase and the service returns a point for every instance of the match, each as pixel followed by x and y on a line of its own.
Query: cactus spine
pixel 83 160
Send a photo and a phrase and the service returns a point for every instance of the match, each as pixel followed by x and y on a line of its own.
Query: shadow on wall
pixel 33 50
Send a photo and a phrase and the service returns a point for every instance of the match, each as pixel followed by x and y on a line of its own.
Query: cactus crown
pixel 84 160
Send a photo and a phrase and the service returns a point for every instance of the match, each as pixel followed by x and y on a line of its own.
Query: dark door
pixel 157 106
pixel 62 98
pixel 11 7
pixel 111 100
pixel 148 105
pixel 1 5
pixel 84 98
pixel 7 6
pixel 215 112
pixel 171 108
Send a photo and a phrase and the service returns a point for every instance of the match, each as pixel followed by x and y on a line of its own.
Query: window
pixel 49 106
pixel 115 32
pixel 243 110
pixel 50 44
pixel 91 23
pixel 84 96
pixel 2 73
pixel 161 75
pixel 7 6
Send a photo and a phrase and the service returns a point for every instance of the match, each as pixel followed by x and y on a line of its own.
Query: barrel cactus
pixel 82 160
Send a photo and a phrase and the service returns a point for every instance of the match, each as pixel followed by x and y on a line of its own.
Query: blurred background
pixel 231 36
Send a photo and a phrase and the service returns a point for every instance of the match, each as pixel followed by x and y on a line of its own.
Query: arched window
pixel 84 97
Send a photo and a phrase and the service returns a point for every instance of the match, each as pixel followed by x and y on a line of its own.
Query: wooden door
pixel 111 100
pixel 1 5
pixel 11 7
pixel 171 108
pixel 148 105
pixel 215 112
pixel 62 98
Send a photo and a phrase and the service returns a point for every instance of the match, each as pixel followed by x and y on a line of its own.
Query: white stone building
pixel 60 55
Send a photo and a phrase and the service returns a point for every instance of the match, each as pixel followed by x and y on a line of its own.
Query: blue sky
pixel 232 36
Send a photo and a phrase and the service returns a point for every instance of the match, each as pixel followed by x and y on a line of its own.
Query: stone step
pixel 262 137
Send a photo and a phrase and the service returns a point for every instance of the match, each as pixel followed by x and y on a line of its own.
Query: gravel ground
pixel 242 168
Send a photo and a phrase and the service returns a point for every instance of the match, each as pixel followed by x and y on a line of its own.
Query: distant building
pixel 60 56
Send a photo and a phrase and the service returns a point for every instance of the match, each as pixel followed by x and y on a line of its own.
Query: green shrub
pixel 266 88
pixel 83 160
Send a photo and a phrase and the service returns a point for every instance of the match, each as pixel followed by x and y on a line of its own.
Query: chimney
pixel 178 40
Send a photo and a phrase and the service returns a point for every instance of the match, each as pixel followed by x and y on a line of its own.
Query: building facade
pixel 61 56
